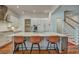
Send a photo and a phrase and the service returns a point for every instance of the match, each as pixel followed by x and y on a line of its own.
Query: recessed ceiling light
pixel 22 12
pixel 17 6
pixel 34 11
pixel 46 11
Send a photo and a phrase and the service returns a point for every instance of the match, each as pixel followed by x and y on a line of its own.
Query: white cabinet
pixel 41 23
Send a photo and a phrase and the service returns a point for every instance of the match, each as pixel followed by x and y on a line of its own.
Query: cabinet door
pixel 27 25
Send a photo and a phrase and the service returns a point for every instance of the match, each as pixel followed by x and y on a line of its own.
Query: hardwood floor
pixel 6 49
pixel 75 51
pixel 71 50
pixel 37 52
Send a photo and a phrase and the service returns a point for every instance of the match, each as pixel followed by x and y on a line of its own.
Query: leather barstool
pixel 19 40
pixel 35 40
pixel 53 40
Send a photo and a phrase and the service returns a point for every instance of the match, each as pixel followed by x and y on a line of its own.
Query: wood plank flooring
pixel 36 52
pixel 75 51
pixel 71 50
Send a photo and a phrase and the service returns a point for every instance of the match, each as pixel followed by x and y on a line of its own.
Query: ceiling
pixel 32 10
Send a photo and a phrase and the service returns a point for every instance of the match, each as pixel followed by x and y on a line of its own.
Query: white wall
pixel 58 14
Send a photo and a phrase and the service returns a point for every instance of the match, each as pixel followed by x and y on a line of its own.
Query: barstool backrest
pixel 35 39
pixel 18 39
pixel 53 39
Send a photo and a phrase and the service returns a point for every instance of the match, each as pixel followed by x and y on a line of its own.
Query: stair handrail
pixel 69 24
pixel 72 19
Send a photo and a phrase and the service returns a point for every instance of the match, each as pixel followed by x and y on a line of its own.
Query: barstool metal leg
pixel 25 45
pixel 14 48
pixel 31 48
pixel 22 48
pixel 48 47
pixel 39 48
pixel 57 48
pixel 54 47
pixel 18 47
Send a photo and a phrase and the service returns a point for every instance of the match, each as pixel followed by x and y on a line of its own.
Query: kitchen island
pixel 62 44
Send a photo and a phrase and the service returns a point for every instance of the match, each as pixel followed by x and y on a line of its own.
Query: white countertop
pixel 37 33
pixel 8 38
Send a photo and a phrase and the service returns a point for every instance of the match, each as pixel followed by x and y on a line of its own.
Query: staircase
pixel 71 29
pixel 70 33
